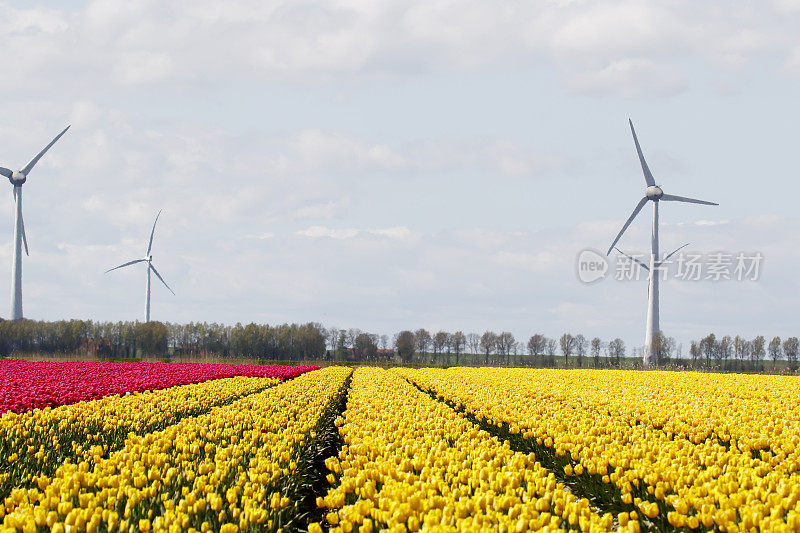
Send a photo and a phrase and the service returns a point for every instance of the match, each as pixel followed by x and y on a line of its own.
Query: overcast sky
pixel 401 164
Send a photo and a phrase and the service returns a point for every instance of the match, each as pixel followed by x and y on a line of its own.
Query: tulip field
pixel 257 448
pixel 27 385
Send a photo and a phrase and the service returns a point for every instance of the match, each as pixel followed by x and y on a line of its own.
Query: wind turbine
pixel 653 193
pixel 148 258
pixel 17 178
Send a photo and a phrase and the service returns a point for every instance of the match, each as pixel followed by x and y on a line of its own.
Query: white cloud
pixel 143 67
pixel 501 158
pixel 326 210
pixel 527 261
pixel 316 232
pixel 631 77
pixel 792 64
pixel 261 237
pixel 398 233
pixel 336 151
pixel 711 222
pixel 597 46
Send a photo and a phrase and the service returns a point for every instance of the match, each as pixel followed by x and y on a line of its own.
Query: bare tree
pixel 708 346
pixel 341 343
pixel 458 340
pixel 694 351
pixel 331 336
pixel 440 340
pixel 537 345
pixel 790 348
pixel 757 352
pixel 580 348
pixel 551 351
pixel 351 336
pixel 366 347
pixel 474 343
pixel 567 343
pixel 405 342
pixel 488 343
pixel 775 351
pixel 663 347
pixel 423 340
pixel 597 345
pixel 384 342
pixel 505 343
pixel 616 351
pixel 739 348
pixel 725 348
pixel 747 350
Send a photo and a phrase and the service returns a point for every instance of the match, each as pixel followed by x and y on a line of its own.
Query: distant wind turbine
pixel 148 258
pixel 17 178
pixel 653 193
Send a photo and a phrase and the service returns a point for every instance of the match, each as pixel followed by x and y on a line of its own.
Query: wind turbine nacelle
pixel 654 192
pixel 17 178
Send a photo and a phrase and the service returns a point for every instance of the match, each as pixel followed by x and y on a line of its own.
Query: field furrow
pixel 639 441
pixel 410 462
pixel 234 468
pixel 35 443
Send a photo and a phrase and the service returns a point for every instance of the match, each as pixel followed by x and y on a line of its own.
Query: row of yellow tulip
pixel 36 442
pixel 409 462
pixel 228 470
pixel 685 450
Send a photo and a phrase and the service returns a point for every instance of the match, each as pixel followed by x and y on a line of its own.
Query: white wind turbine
pixel 148 258
pixel 653 193
pixel 17 178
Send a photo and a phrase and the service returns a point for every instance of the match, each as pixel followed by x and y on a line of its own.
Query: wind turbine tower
pixel 653 193
pixel 148 258
pixel 17 179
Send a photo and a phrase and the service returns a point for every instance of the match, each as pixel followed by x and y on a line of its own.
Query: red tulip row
pixel 26 385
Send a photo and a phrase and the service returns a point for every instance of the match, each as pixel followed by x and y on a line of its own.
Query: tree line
pixel 741 354
pixel 313 342
pixel 504 348
pixel 135 339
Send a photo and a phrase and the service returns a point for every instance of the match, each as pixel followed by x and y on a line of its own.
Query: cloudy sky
pixel 401 164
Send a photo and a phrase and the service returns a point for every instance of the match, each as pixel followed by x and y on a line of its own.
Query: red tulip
pixel 26 385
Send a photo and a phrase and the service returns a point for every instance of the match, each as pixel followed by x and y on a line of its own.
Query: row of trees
pixel 501 347
pixel 738 353
pixel 309 341
pixel 132 339
pixel 312 341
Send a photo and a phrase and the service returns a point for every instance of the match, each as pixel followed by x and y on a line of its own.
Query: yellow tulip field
pixel 458 449
pixel 681 450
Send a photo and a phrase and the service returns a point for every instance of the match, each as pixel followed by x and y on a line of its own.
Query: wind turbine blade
pixel 639 207
pixel 126 264
pixel 648 176
pixel 640 263
pixel 673 198
pixel 150 244
pixel 36 159
pixel 24 237
pixel 162 279
pixel 5 172
pixel 676 250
